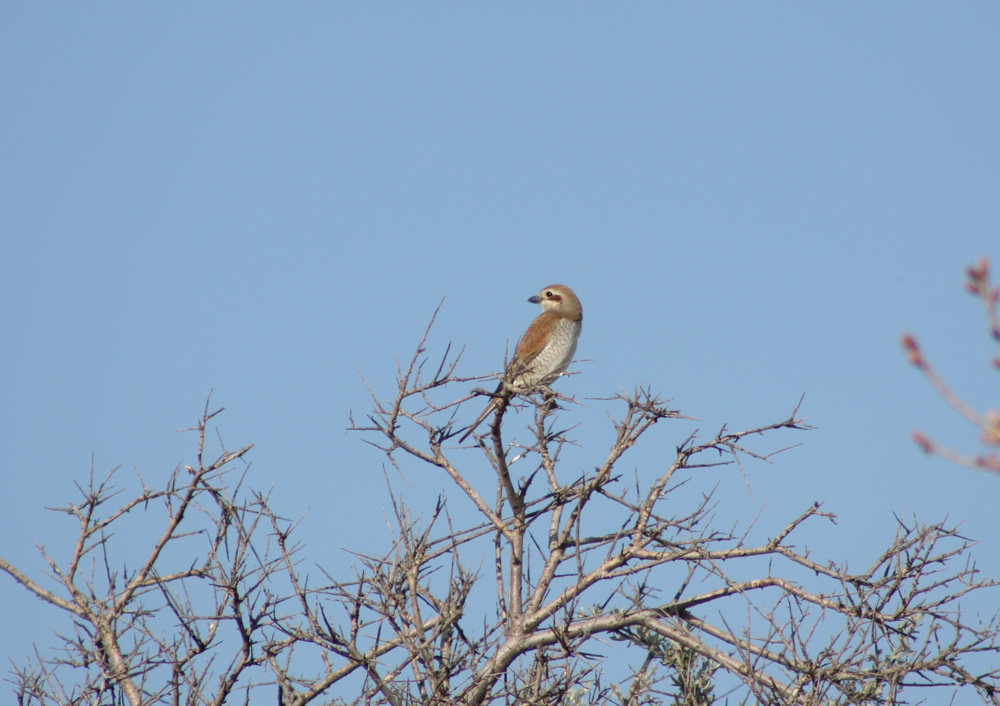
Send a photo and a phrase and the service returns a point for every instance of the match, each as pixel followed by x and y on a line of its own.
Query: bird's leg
pixel 548 399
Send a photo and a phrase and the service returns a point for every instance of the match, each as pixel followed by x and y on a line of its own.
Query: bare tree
pixel 977 283
pixel 597 591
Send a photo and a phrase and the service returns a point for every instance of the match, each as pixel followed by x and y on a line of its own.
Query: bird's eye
pixel 548 294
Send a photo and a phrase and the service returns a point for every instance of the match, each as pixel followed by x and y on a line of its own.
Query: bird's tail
pixel 494 402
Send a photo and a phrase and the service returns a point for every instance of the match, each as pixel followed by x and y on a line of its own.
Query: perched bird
pixel 545 350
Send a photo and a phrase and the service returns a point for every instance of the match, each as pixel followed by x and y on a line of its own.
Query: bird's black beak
pixel 535 300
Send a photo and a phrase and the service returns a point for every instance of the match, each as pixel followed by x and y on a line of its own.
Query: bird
pixel 544 351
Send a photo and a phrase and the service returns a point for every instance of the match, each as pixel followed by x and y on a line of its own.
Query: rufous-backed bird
pixel 545 349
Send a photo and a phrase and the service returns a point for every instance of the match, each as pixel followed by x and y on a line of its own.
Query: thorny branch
pixel 583 567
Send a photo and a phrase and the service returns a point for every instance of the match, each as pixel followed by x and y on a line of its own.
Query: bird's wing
pixel 533 342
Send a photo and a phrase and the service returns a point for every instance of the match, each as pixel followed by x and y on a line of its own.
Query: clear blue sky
pixel 752 200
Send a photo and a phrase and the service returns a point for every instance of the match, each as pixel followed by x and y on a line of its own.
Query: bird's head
pixel 560 299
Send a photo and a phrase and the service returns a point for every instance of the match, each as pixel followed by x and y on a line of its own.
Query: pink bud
pixel 923 442
pixel 990 462
pixel 980 271
pixel 912 350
